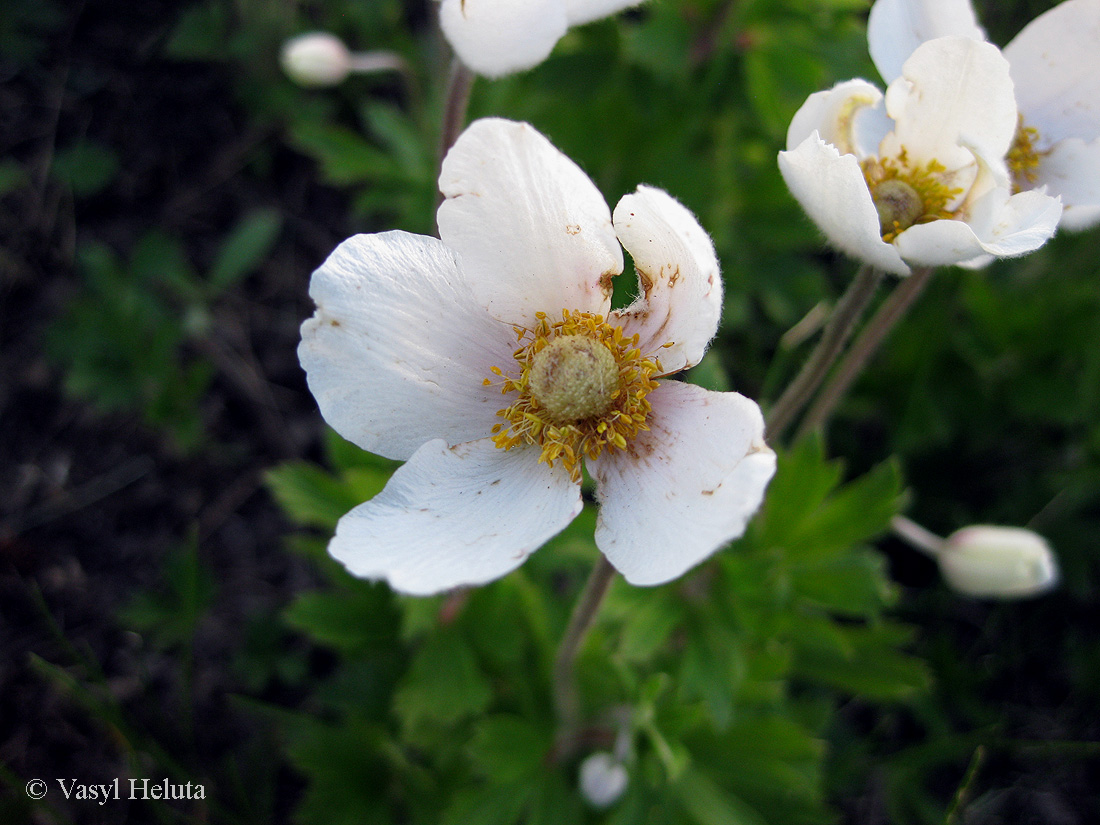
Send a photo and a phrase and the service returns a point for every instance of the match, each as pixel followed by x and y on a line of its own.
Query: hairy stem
pixel 866 344
pixel 588 604
pixel 844 317
pixel 459 85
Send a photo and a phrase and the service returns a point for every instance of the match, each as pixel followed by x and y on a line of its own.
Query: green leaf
pixel 444 683
pixel 245 248
pixel 506 748
pixel 706 803
pixel 354 620
pixel 311 496
pixel 85 167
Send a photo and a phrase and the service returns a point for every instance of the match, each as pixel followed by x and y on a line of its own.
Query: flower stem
pixel 588 604
pixel 916 536
pixel 889 313
pixel 459 85
pixel 844 317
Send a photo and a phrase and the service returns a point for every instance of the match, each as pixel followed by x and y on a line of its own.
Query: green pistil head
pixel 573 378
pixel 899 205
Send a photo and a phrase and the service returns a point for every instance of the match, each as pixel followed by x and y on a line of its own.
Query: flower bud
pixel 997 562
pixel 603 779
pixel 316 59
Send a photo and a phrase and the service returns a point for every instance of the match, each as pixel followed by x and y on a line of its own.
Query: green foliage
pixel 133 337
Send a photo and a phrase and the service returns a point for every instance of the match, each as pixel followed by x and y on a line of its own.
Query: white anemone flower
pixel 1055 65
pixel 500 37
pixel 918 176
pixel 492 363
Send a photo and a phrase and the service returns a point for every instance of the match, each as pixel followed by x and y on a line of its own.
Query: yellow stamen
pixel 1023 157
pixel 905 195
pixel 580 387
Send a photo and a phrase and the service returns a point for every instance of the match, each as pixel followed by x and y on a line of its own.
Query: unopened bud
pixel 316 59
pixel 998 562
pixel 603 779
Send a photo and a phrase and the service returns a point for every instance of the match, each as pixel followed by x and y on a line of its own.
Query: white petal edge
pixel 500 37
pixel 952 91
pixel 686 487
pixel 532 231
pixel 1071 169
pixel 679 285
pixel 1056 66
pixel 454 516
pixel 896 27
pixel 398 347
pixel 833 115
pixel 1021 224
pixel 831 188
pixel 585 11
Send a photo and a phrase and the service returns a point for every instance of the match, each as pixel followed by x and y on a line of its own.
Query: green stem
pixel 844 317
pixel 566 702
pixel 459 86
pixel 867 343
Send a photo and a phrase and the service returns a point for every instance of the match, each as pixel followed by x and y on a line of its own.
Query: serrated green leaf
pixel 353 620
pixel 309 495
pixel 705 803
pixel 506 748
pixel 444 683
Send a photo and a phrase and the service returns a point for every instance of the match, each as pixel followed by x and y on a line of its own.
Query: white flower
pixel 492 361
pixel 499 37
pixel 316 59
pixel 1055 64
pixel 997 562
pixel 918 177
pixel 603 779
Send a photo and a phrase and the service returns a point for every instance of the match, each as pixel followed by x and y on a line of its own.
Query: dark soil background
pixel 92 505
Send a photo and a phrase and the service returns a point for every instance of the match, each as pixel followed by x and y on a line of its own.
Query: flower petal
pixel 831 188
pixel 584 11
pixel 398 347
pixel 684 488
pixel 953 91
pixel 835 115
pixel 455 516
pixel 896 27
pixel 1072 170
pixel 679 285
pixel 532 231
pixel 1057 71
pixel 499 37
pixel 1015 226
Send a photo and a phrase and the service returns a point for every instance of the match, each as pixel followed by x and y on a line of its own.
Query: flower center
pixel 1023 157
pixel 581 388
pixel 574 377
pixel 905 195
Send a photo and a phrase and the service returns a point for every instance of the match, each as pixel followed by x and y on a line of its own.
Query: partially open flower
pixel 492 361
pixel 500 37
pixel 997 562
pixel 1055 65
pixel 918 176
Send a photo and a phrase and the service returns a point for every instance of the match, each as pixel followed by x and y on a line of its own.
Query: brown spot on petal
pixel 573 229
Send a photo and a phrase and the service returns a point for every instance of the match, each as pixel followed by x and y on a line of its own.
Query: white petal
pixel 1020 224
pixel 833 115
pixel 684 488
pixel 454 516
pixel 1072 170
pixel 398 347
pixel 831 188
pixel 679 286
pixel 953 91
pixel 532 231
pixel 499 37
pixel 1056 65
pixel 584 11
pixel 896 27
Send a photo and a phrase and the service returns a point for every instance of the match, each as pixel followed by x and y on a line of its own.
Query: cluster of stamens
pixel 581 389
pixel 1023 157
pixel 906 195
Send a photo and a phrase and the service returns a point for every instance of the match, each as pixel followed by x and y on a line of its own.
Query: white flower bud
pixel 603 779
pixel 316 59
pixel 997 562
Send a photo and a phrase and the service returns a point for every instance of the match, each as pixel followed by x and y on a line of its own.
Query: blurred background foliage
pixel 817 671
